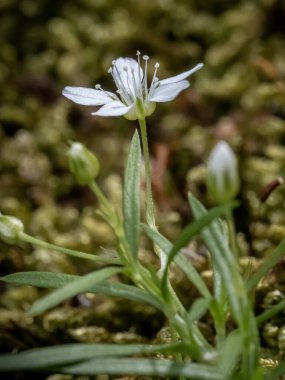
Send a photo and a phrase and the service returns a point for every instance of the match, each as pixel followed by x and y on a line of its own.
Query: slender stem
pixel 150 218
pixel 114 221
pixel 101 197
pixel 82 255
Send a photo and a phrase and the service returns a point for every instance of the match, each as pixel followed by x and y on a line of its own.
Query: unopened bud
pixel 222 179
pixel 83 164
pixel 10 229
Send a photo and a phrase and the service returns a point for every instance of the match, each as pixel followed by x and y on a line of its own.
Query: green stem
pixel 82 255
pixel 175 305
pixel 101 197
pixel 115 223
pixel 150 218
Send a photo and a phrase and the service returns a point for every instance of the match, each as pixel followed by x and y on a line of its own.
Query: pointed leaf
pixel 280 306
pixel 79 285
pixel 267 265
pixel 230 353
pixel 188 233
pixel 56 280
pixel 69 353
pixel 146 367
pixel 181 261
pixel 199 308
pixel 131 196
pixel 227 266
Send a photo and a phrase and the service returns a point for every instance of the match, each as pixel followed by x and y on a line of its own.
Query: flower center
pixel 131 81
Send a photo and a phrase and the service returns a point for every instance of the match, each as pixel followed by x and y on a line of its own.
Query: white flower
pixel 135 99
pixel 223 180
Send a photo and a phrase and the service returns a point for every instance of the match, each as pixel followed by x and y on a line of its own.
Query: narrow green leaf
pixel 70 353
pixel 144 367
pixel 181 261
pixel 188 234
pixel 131 196
pixel 230 353
pixel 199 308
pixel 267 265
pixel 57 280
pixel 80 285
pixel 223 258
pixel 71 252
pixel 271 312
pixel 227 267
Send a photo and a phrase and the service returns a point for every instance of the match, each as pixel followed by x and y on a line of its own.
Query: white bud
pixel 222 180
pixel 10 229
pixel 82 163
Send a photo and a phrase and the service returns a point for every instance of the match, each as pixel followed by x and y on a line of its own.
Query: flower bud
pixel 222 179
pixel 10 228
pixel 82 163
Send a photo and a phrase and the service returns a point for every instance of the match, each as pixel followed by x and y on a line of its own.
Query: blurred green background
pixel 238 96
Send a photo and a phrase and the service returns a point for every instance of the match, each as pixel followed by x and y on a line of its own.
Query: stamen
pixel 98 87
pixel 145 58
pixel 154 78
pixel 139 74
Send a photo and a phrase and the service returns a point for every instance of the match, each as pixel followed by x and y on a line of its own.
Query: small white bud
pixel 222 179
pixel 10 229
pixel 83 164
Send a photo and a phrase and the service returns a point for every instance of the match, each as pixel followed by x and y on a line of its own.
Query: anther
pixel 98 87
pixel 146 57
pixel 156 66
pixel 138 53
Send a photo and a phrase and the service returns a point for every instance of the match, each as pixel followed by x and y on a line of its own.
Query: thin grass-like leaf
pixel 267 265
pixel 70 252
pixel 131 196
pixel 57 280
pixel 223 258
pixel 227 267
pixel 79 285
pixel 230 353
pixel 199 308
pixel 72 353
pixel 181 261
pixel 144 367
pixel 188 234
pixel 271 312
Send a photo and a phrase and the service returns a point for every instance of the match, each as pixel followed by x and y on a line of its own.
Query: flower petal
pixel 167 92
pixel 179 77
pixel 115 108
pixel 125 73
pixel 88 96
